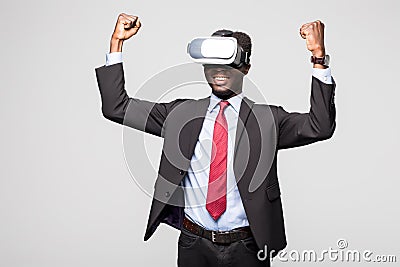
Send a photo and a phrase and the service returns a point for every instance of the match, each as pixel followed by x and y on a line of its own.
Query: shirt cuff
pixel 113 58
pixel 324 75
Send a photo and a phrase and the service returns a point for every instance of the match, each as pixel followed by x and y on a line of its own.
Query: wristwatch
pixel 321 60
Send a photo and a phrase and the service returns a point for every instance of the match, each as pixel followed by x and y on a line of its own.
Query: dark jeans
pixel 197 251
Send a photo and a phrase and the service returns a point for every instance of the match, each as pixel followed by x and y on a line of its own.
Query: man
pixel 225 218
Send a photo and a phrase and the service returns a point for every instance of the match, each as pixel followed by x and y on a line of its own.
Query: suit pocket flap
pixel 273 192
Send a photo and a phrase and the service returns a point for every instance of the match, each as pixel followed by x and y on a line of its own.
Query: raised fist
pixel 313 32
pixel 126 27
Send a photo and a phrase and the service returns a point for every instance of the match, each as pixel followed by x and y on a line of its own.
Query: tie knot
pixel 223 104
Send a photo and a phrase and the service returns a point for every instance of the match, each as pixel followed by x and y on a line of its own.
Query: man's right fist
pixel 126 27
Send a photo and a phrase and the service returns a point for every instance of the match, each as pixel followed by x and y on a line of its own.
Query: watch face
pixel 327 60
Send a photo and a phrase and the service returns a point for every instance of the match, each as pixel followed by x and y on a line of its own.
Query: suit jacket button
pixel 167 194
pixel 181 172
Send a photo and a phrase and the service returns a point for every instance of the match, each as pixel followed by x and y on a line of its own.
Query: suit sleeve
pixel 118 107
pixel 298 129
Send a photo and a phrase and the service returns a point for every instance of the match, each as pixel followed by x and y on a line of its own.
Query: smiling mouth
pixel 220 78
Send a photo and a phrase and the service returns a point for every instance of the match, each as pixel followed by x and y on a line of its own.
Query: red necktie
pixel 216 194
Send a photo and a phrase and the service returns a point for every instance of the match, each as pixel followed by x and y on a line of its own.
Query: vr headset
pixel 221 49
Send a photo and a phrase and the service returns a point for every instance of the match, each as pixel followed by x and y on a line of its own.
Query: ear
pixel 246 68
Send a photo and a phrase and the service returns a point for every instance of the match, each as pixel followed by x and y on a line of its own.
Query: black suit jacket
pixel 261 131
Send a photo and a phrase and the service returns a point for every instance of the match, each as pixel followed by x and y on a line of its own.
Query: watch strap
pixel 320 60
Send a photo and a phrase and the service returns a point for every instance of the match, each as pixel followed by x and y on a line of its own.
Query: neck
pixel 225 95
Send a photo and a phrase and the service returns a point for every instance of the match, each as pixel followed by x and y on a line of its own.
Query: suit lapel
pixel 196 124
pixel 244 112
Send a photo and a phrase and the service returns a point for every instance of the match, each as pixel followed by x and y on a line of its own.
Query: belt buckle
pixel 213 234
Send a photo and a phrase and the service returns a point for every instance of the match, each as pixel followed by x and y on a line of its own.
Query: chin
pixel 223 93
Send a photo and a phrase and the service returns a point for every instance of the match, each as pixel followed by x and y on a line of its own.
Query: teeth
pixel 220 78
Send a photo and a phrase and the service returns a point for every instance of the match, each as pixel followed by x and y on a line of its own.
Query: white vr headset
pixel 217 50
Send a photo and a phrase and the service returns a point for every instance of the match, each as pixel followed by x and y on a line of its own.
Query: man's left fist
pixel 313 32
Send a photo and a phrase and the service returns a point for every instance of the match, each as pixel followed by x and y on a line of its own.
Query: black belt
pixel 222 237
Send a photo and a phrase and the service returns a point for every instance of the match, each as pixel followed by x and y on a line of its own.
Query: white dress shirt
pixel 195 182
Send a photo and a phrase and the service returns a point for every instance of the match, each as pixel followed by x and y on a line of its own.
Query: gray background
pixel 66 195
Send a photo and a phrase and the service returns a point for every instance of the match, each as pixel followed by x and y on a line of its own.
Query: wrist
pixel 116 45
pixel 319 52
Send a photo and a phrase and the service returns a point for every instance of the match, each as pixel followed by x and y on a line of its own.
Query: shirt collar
pixel 234 101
